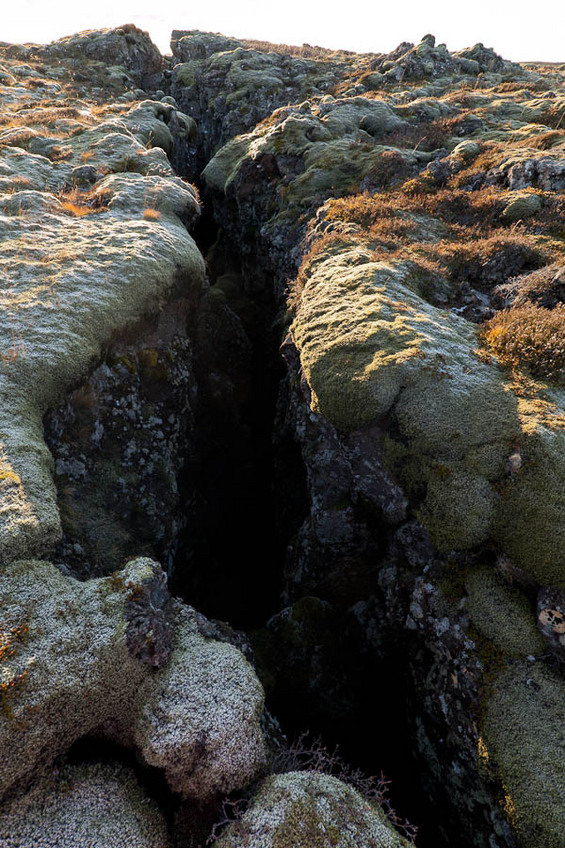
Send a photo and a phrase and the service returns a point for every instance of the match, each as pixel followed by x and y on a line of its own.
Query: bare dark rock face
pixel 149 634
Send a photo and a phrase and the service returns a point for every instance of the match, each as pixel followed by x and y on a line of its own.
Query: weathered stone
pixel 524 747
pixel 126 46
pixel 521 206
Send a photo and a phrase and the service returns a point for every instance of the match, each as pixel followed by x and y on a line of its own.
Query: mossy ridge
pixel 91 305
pixel 97 804
pixel 528 522
pixel 369 344
pixel 82 676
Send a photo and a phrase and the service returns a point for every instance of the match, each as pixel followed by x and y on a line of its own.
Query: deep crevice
pixel 231 554
pixel 253 499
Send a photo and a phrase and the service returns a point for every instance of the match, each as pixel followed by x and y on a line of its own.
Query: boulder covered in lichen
pixel 98 804
pixel 79 658
pixel 309 810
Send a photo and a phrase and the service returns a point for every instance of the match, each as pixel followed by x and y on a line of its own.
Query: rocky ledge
pixel 324 404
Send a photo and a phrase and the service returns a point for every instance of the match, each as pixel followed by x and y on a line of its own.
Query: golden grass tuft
pixel 77 203
pixel 151 214
pixel 529 337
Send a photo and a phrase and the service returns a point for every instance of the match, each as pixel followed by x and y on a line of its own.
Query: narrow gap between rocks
pixel 243 498
pixel 252 499
pixel 230 556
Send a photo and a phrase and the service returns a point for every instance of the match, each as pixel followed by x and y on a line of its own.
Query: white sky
pixel 517 29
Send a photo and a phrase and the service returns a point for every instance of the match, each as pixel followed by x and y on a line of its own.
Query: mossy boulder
pixel 334 140
pixel 370 343
pixel 520 206
pixel 502 614
pixel 97 804
pixel 529 515
pixel 127 47
pixel 524 747
pixel 76 273
pixel 115 656
pixel 310 810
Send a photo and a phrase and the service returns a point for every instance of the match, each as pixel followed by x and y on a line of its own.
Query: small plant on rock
pixel 530 337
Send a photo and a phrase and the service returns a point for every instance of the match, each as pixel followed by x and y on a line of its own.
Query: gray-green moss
pixel 521 206
pixel 529 522
pixel 310 810
pixel 524 737
pixel 502 614
pixel 369 344
pixel 67 669
pixel 70 283
pixel 99 805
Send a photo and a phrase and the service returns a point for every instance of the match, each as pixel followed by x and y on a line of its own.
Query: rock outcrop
pixel 384 352
pixel 401 217
pixel 304 810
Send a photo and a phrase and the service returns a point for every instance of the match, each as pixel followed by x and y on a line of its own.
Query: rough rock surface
pixel 411 204
pixel 124 49
pixel 93 262
pixel 391 281
pixel 229 86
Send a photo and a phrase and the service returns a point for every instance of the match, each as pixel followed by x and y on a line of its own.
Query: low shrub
pixel 529 337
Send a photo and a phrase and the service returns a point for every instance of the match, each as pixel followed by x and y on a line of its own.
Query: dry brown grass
pixel 454 236
pixel 427 135
pixel 454 207
pixel 78 203
pixel 482 262
pixel 41 116
pixel 542 141
pixel 151 214
pixel 304 51
pixel 529 337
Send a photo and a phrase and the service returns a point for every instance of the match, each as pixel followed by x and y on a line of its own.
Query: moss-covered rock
pixel 369 344
pixel 127 47
pixel 79 657
pixel 308 810
pixel 520 206
pixel 74 275
pixel 502 614
pixel 524 739
pixel 529 514
pixel 99 805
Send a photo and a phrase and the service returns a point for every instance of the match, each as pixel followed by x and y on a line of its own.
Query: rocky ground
pixel 282 346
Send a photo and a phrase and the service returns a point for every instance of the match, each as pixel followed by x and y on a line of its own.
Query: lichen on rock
pixel 198 716
pixel 523 733
pixel 310 810
pixel 96 804
pixel 75 275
